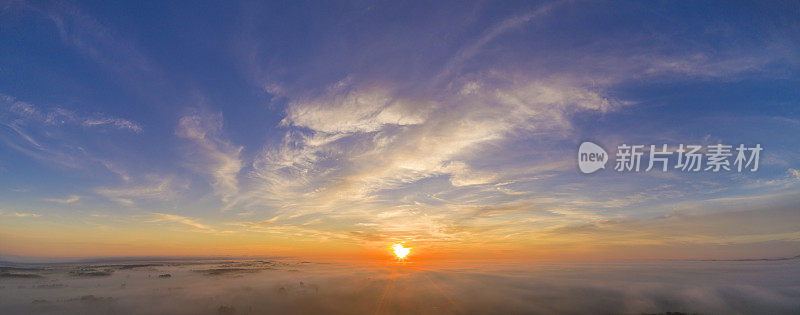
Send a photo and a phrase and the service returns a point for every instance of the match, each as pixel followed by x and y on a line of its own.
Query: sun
pixel 400 251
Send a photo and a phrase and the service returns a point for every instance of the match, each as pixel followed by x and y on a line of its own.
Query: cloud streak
pixel 29 113
pixel 68 200
pixel 163 217
pixel 217 157
pixel 156 189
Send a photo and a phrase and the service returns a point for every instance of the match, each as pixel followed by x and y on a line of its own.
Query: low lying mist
pixel 281 286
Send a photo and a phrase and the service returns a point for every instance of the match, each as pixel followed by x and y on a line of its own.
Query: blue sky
pixel 277 127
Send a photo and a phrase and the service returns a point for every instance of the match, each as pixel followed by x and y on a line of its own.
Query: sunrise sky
pixel 338 129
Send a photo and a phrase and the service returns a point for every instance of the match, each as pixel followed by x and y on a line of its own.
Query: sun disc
pixel 400 251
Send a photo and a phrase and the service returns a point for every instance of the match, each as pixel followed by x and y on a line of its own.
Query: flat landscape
pixel 289 285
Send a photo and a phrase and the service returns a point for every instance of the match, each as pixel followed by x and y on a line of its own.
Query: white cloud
pixel 59 116
pixel 355 111
pixel 461 175
pixel 115 122
pixel 218 157
pixel 158 188
pixel 795 173
pixel 419 150
pixel 490 34
pixel 96 41
pixel 341 154
pixel 162 217
pixel 49 135
pixel 439 133
pixel 70 199
pixel 112 168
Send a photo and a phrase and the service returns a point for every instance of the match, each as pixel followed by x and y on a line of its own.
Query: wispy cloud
pixel 29 113
pixel 507 25
pixel 68 200
pixel 112 168
pixel 445 157
pixel 355 147
pixel 212 153
pixel 795 173
pixel 91 38
pixel 25 215
pixel 157 188
pixel 45 134
pixel 396 140
pixel 114 122
pixel 403 160
pixel 162 217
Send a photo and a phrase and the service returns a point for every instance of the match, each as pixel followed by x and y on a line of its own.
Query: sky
pixel 341 128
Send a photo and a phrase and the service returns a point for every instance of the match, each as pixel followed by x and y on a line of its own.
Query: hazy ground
pixel 295 286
